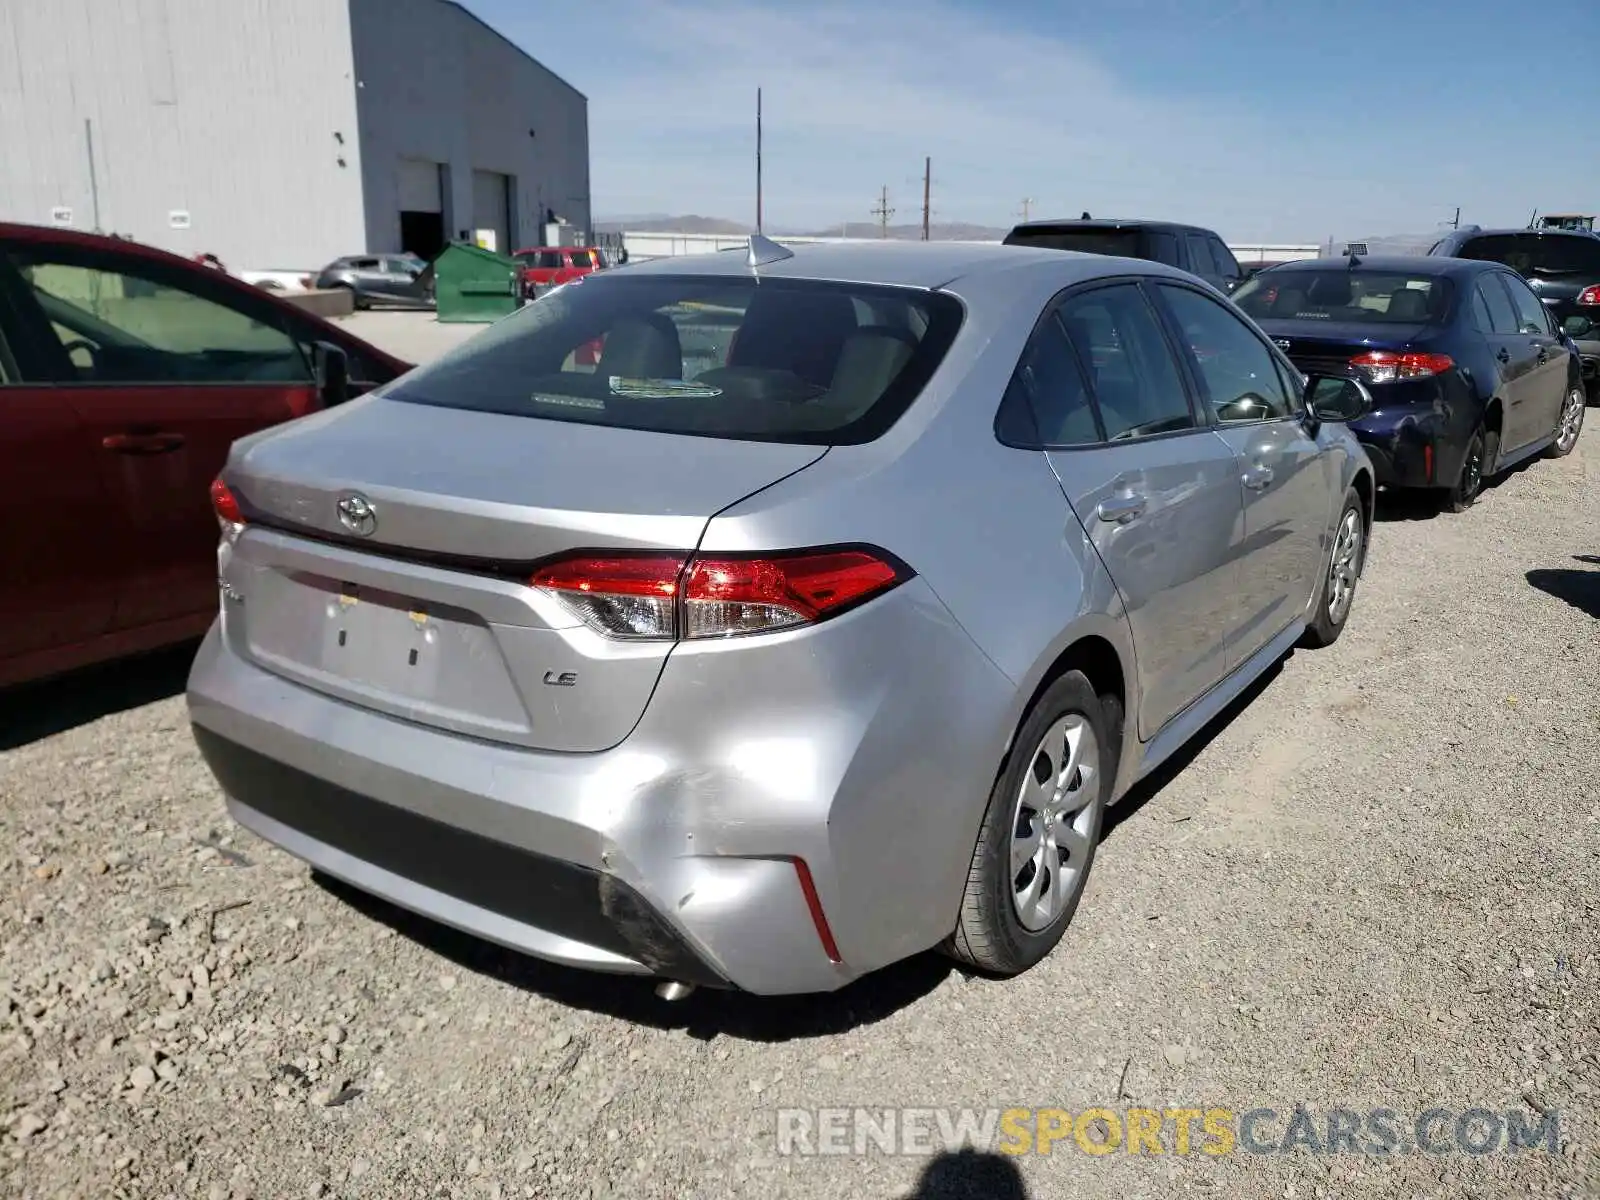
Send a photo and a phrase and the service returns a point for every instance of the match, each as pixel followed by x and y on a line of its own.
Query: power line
pixel 883 212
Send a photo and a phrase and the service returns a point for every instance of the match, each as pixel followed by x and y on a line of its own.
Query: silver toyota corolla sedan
pixel 761 619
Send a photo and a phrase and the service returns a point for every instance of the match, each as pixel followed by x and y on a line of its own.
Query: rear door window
pixel 785 361
pixel 1164 248
pixel 1502 316
pixel 1133 376
pixel 1200 262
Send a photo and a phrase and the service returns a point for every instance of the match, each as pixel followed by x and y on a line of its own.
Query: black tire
pixel 990 935
pixel 1333 612
pixel 1474 467
pixel 1573 405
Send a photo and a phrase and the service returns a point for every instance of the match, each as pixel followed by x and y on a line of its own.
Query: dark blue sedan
pixel 1470 372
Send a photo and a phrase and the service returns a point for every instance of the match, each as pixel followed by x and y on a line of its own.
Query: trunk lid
pixel 1326 347
pixel 418 604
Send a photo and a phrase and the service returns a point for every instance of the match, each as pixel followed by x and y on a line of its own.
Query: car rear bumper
pixel 1409 446
pixel 863 748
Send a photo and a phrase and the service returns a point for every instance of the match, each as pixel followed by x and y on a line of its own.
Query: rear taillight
pixel 1385 366
pixel 230 517
pixel 668 596
pixel 1590 296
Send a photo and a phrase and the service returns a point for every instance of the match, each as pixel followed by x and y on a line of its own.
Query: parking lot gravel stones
pixel 1374 884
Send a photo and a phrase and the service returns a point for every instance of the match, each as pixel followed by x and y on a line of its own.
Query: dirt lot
pixel 1374 885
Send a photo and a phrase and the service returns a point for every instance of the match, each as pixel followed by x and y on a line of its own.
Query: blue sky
pixel 1289 121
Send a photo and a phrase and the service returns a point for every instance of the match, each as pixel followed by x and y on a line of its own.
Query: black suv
pixel 1562 266
pixel 1187 247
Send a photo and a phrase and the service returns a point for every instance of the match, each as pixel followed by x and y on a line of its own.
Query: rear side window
pixel 581 260
pixel 1530 254
pixel 1046 403
pixel 1132 372
pixel 781 361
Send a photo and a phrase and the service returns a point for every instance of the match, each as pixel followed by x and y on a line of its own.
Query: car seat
pixel 642 347
pixel 792 330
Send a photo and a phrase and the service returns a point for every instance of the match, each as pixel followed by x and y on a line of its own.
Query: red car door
pixel 56 527
pixel 164 368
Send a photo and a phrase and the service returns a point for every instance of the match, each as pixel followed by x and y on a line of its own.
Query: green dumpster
pixel 474 284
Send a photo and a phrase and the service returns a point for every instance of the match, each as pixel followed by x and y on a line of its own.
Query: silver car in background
pixel 380 280
pixel 759 620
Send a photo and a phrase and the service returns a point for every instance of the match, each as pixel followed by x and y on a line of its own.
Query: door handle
pixel 1544 352
pixel 143 443
pixel 1257 478
pixel 1121 510
pixel 1504 355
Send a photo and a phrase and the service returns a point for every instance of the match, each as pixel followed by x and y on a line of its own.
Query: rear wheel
pixel 1569 424
pixel 1470 482
pixel 1039 833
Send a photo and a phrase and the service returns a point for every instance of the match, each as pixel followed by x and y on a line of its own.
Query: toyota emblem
pixel 357 514
pixel 1283 343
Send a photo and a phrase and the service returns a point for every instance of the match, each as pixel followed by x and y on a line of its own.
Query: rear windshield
pixel 1374 297
pixel 1123 243
pixel 779 360
pixel 1533 254
pixel 580 258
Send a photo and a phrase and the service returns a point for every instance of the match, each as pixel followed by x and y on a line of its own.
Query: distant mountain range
pixel 1401 243
pixel 718 226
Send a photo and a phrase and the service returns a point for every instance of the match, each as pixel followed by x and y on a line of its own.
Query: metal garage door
pixel 417 180
pixel 490 211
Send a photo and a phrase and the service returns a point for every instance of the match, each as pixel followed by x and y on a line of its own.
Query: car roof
pixel 1412 264
pixel 1108 223
pixel 902 264
pixel 1466 234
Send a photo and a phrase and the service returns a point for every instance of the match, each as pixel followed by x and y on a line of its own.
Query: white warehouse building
pixel 280 134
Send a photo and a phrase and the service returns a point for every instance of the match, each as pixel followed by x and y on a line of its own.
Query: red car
pixel 545 267
pixel 125 375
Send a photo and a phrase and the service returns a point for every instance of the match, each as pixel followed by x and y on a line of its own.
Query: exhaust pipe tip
pixel 672 989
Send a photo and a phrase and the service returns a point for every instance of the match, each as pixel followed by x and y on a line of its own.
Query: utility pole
pixel 1027 207
pixel 758 160
pixel 1456 224
pixel 94 183
pixel 883 212
pixel 927 192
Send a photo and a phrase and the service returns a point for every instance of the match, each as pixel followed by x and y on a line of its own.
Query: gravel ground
pixel 1374 884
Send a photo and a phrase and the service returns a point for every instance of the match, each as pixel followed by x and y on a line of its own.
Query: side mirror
pixel 1577 327
pixel 333 373
pixel 1335 398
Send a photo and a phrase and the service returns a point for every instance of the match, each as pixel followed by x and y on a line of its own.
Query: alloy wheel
pixel 1344 565
pixel 1571 420
pixel 1055 822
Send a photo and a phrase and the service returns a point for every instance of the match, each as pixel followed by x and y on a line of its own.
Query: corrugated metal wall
pixel 435 83
pixel 229 111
